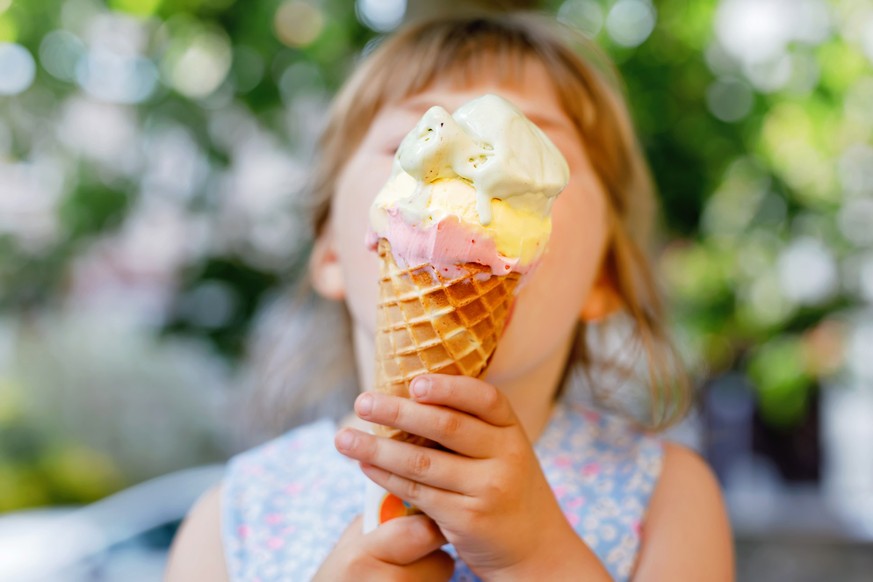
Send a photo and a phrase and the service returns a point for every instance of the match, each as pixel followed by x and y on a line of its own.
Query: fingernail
pixel 420 386
pixel 346 440
pixel 365 404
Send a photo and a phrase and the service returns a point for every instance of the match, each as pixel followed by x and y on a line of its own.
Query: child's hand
pixel 487 493
pixel 406 548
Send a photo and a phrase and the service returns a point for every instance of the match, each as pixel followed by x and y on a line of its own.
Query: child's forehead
pixel 492 69
pixel 538 102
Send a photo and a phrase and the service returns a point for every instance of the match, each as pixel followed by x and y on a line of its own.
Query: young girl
pixel 528 487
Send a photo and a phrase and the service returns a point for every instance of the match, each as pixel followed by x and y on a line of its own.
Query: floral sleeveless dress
pixel 285 503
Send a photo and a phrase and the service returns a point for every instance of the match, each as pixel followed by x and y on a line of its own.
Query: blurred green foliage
pixel 38 469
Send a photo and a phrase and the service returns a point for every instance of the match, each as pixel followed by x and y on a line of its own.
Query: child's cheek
pixel 357 186
pixel 548 306
pixel 362 275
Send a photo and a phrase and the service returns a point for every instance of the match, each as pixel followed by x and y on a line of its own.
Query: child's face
pixel 549 304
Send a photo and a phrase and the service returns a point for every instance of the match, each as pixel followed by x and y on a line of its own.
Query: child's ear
pixel 603 300
pixel 324 266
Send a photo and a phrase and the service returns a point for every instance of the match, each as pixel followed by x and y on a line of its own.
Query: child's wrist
pixel 561 557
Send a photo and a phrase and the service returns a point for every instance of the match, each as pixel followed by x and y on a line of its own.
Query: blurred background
pixel 152 160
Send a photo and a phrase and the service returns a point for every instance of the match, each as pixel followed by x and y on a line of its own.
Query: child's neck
pixel 531 394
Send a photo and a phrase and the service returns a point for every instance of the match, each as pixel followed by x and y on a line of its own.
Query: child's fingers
pixel 434 502
pixel 427 466
pixel 404 540
pixel 464 393
pixel 455 430
pixel 435 566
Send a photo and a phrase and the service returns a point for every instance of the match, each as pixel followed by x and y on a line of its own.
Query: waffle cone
pixel 430 323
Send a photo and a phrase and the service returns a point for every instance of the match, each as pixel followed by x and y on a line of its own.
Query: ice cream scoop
pixel 473 186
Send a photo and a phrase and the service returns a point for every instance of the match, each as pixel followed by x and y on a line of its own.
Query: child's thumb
pixel 405 540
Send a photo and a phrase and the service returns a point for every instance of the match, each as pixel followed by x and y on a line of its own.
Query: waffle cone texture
pixel 430 323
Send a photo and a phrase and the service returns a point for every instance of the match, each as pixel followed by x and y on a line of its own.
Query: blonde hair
pixel 588 87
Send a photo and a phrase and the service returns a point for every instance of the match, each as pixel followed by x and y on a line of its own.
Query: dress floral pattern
pixel 286 503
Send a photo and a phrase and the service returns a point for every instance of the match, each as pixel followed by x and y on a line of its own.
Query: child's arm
pixel 197 553
pixel 403 549
pixel 687 535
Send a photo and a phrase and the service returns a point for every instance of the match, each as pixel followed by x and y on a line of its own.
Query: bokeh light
pixel 730 99
pixel 860 350
pixel 298 23
pixel 865 277
pixel 585 15
pixel 807 272
pixel 381 15
pixel 115 78
pixel 17 69
pixel 630 22
pixel 856 169
pixel 855 218
pixel 60 52
pixel 753 30
pixel 197 61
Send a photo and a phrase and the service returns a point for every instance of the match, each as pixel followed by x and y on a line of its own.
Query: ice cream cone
pixel 464 217
pixel 428 322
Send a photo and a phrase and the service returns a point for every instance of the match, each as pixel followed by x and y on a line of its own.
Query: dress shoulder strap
pixel 603 471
